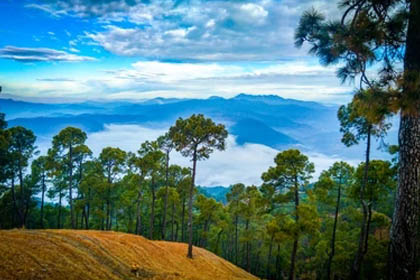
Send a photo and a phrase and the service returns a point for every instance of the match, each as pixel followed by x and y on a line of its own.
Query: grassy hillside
pixel 69 254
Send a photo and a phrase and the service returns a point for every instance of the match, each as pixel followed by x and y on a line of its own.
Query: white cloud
pixel 170 72
pixel 251 12
pixel 207 30
pixel 48 9
pixel 40 54
pixel 236 164
pixel 203 30
pixel 126 137
pixel 210 23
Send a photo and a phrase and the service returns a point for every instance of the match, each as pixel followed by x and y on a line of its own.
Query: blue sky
pixel 128 49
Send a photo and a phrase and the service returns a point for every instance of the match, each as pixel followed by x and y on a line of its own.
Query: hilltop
pixel 91 255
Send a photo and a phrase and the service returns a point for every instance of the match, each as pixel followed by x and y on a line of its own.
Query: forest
pixel 289 225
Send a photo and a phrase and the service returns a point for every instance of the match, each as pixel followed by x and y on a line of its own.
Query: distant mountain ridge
pixel 254 131
pixel 261 119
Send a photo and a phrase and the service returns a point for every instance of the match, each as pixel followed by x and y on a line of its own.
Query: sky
pixel 107 50
pixel 77 50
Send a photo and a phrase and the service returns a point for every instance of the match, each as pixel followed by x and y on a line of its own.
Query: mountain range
pixel 261 119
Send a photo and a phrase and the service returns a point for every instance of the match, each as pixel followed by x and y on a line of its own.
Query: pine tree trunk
pixel 76 218
pixel 236 238
pixel 107 214
pixel 111 214
pixel 183 220
pixel 190 205
pixel 176 230
pixel 138 214
pixel 248 249
pixel 172 221
pixel 278 267
pixel 229 247
pixel 368 222
pixel 256 260
pixel 59 210
pixel 88 210
pixel 42 201
pixel 22 196
pixel 165 202
pixel 292 271
pixel 332 253
pixel 206 230
pixel 270 250
pixel 116 223
pixel 83 218
pixel 216 249
pixel 73 225
pixel 406 211
pixel 102 217
pixel 81 194
pixel 17 210
pixel 405 219
pixel 357 263
pixel 152 214
pixel 108 200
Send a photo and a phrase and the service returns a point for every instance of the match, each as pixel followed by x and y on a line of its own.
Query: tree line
pixel 289 226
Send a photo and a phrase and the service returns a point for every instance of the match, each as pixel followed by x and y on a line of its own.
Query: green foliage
pixel 21 146
pixel 67 139
pixel 339 175
pixel 380 187
pixel 197 136
pixel 362 117
pixel 112 160
pixel 292 170
pixel 365 27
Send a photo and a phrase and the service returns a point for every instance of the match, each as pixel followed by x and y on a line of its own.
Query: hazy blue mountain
pixel 88 122
pixel 262 119
pixel 16 109
pixel 265 119
pixel 254 131
pixel 218 193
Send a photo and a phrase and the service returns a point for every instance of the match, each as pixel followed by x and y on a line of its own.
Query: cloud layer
pixel 198 30
pixel 39 54
pixel 236 164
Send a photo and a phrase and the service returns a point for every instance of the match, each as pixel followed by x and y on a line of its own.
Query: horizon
pixel 5 96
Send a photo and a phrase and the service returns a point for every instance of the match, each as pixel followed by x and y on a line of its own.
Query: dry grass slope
pixel 91 255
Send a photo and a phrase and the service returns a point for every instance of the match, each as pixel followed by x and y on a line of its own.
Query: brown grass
pixel 92 255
